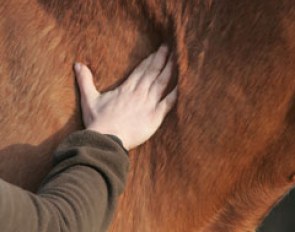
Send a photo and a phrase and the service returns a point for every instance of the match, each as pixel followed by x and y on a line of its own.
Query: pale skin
pixel 133 111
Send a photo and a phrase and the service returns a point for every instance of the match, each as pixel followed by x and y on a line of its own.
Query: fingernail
pixel 78 67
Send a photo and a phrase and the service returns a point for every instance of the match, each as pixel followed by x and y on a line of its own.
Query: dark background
pixel 282 217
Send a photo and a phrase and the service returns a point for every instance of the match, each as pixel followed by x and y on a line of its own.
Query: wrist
pixel 112 133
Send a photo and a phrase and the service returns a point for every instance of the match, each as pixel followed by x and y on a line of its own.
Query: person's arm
pixel 78 195
pixel 90 166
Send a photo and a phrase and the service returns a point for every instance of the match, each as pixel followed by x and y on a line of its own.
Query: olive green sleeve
pixel 78 195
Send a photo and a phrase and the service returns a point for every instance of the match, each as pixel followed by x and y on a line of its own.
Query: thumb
pixel 85 81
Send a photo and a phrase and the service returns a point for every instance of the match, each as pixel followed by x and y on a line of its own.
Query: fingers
pixel 161 82
pixel 148 70
pixel 159 59
pixel 135 76
pixel 155 67
pixel 166 104
pixel 85 81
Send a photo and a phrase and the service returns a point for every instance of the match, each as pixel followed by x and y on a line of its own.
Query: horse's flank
pixel 224 155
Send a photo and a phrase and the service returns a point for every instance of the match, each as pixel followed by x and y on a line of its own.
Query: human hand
pixel 134 110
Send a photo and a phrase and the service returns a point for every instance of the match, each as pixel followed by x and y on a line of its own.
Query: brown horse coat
pixel 226 153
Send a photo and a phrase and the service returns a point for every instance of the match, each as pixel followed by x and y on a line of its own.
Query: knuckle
pixel 153 72
pixel 127 87
pixel 139 92
pixel 143 86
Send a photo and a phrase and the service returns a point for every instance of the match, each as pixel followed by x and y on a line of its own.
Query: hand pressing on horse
pixel 133 111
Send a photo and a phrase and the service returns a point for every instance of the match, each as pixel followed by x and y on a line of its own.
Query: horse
pixel 223 157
